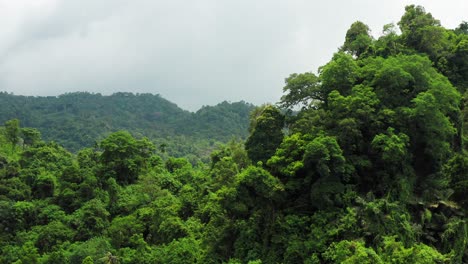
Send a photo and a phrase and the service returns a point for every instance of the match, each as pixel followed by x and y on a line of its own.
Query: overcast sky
pixel 193 53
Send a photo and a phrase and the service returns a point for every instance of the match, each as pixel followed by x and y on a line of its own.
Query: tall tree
pixel 12 131
pixel 266 134
pixel 30 136
pixel 358 39
pixel 301 90
pixel 123 156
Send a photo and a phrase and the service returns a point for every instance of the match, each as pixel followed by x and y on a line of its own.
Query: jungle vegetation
pixel 81 119
pixel 364 162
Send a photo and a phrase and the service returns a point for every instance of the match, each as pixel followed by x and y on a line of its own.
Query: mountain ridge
pixel 79 119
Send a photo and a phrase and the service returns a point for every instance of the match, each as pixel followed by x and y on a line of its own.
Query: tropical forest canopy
pixel 372 168
pixel 79 120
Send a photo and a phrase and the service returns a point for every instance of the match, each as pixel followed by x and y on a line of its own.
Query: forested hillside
pixel 373 168
pixel 78 120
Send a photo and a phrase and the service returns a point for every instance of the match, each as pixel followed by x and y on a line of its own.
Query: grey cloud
pixel 191 52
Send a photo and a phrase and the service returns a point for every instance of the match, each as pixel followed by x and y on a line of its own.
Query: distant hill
pixel 77 120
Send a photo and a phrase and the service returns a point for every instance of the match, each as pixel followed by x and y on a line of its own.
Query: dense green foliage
pixel 373 168
pixel 78 120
